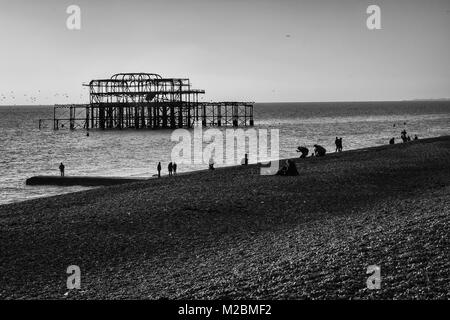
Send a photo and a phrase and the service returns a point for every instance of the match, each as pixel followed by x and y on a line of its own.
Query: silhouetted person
pixel 174 167
pixel 340 145
pixel 319 151
pixel 336 142
pixel 392 141
pixel 304 151
pixel 289 169
pixel 292 168
pixel 211 163
pixel 403 136
pixel 416 137
pixel 283 170
pixel 159 169
pixel 61 169
pixel 170 168
pixel 244 160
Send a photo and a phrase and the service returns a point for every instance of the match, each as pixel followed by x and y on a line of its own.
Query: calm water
pixel 26 151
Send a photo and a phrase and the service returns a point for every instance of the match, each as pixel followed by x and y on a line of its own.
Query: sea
pixel 26 150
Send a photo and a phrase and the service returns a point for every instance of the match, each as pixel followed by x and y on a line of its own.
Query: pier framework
pixel 147 100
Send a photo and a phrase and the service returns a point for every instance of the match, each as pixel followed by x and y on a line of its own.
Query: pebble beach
pixel 233 233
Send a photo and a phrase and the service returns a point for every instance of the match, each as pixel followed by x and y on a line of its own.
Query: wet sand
pixel 233 233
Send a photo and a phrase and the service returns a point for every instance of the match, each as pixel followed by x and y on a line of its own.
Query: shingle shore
pixel 233 233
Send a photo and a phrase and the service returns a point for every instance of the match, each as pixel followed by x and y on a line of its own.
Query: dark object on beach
pixel 79 181
pixel 289 169
pixel 159 169
pixel 170 168
pixel 174 167
pixel 392 141
pixel 319 151
pixel 408 138
pixel 211 163
pixel 61 169
pixel 403 136
pixel 244 160
pixel 338 143
pixel 304 151
pixel 416 137
pixel 87 134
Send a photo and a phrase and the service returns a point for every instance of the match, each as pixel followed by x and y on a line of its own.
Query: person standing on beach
pixel 159 169
pixel 244 160
pixel 170 168
pixel 174 167
pixel 336 142
pixel 61 169
pixel 403 136
pixel 340 144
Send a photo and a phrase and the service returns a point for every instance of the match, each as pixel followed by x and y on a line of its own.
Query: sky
pixel 250 50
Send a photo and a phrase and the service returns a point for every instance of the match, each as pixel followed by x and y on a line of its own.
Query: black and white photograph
pixel 221 156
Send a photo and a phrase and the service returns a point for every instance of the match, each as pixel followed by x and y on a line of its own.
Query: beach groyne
pixel 78 181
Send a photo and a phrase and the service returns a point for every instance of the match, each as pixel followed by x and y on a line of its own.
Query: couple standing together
pixel 172 168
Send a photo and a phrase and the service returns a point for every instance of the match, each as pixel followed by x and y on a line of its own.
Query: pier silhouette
pixel 147 101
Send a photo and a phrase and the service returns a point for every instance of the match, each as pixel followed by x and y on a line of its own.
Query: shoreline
pixel 232 233
pixel 165 175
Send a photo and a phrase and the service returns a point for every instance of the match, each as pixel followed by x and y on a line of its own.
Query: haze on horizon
pixel 256 50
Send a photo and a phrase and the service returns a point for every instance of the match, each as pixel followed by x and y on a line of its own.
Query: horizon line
pixel 261 102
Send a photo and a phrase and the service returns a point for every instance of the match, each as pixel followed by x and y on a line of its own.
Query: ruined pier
pixel 147 101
